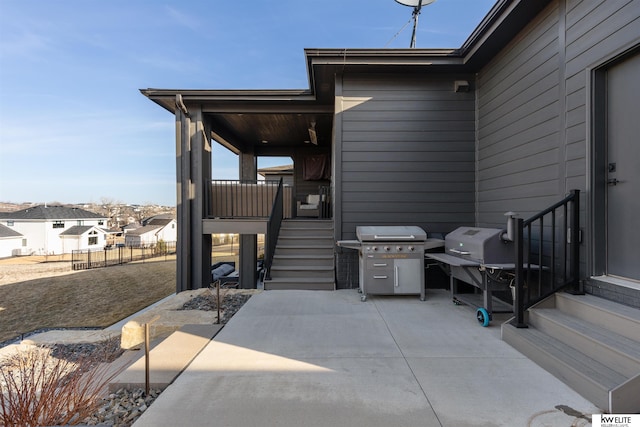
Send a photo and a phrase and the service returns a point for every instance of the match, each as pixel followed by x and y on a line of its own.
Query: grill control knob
pixel 411 248
pixel 387 248
pixel 374 248
pixel 399 248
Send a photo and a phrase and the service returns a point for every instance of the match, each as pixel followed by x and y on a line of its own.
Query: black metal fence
pixel 85 259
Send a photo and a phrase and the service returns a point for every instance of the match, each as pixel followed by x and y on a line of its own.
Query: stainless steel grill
pixel 391 259
pixel 482 257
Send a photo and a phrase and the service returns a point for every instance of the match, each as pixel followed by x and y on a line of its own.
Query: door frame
pixel 597 157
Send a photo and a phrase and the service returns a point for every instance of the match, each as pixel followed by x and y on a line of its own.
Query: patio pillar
pixel 193 174
pixel 248 242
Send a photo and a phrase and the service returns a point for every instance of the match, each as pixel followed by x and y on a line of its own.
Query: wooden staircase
pixel 303 258
pixel 591 344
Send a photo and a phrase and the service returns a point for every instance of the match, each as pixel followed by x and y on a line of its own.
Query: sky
pixel 74 127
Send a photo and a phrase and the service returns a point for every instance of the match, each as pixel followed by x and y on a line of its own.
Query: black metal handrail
pixel 273 230
pixel 547 255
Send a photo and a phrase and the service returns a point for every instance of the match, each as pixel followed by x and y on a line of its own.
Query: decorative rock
pixel 132 335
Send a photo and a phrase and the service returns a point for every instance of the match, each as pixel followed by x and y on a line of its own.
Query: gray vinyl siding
pixel 407 152
pixel 534 108
pixel 519 125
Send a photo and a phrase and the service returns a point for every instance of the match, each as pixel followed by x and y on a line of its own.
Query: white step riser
pixel 627 326
pixel 625 364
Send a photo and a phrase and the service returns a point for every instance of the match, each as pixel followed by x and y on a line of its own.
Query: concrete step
pixel 168 359
pixel 311 284
pixel 590 378
pixel 292 271
pixel 620 318
pixel 598 342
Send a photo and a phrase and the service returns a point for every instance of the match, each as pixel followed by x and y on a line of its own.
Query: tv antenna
pixel 417 6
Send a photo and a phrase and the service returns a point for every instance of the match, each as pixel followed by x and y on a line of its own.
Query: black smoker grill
pixel 482 257
pixel 391 259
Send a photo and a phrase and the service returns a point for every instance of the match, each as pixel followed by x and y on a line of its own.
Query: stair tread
pixel 596 371
pixel 303 256
pixel 617 309
pixel 302 267
pixel 607 337
pixel 300 279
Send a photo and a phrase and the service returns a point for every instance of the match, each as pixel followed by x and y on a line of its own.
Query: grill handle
pixel 395 277
pixel 455 251
pixel 388 237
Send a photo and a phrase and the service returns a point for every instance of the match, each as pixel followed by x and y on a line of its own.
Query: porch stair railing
pixel 273 230
pixel 547 255
pixel 590 343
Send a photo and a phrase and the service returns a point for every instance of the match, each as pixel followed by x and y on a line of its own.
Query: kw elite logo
pixel 615 420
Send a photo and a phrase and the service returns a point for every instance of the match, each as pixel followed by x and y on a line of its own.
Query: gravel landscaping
pixel 123 407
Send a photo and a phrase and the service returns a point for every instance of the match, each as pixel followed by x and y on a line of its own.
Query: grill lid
pixel 391 233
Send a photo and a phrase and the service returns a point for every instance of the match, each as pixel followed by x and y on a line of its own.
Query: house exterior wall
pixel 535 109
pixel 169 233
pixel 74 243
pixel 43 239
pixel 9 245
pixel 407 152
pixel 404 156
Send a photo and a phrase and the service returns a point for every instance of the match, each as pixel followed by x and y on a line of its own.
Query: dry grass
pixel 92 298
pixel 41 390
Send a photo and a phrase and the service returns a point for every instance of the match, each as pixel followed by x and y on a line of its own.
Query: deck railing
pixel 245 199
pixel 547 254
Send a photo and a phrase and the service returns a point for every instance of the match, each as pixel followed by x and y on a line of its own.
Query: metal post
pixel 147 347
pixel 519 271
pixel 576 283
pixel 146 359
pixel 218 300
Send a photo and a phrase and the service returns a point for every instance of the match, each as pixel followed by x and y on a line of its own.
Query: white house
pixel 83 237
pixel 11 242
pixel 42 226
pixel 155 230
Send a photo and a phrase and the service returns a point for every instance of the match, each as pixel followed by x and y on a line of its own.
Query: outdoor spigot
pixel 511 226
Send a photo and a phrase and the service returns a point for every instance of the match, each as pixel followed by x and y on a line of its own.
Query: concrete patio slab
pixel 317 358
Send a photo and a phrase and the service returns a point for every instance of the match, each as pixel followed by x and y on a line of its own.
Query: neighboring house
pixel 274 173
pixel 42 226
pixel 540 99
pixel 156 230
pixel 11 243
pixel 83 237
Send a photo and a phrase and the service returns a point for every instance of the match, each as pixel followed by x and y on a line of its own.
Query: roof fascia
pixel 505 19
